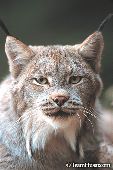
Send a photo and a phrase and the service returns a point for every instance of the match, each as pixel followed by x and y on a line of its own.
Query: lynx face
pixel 54 87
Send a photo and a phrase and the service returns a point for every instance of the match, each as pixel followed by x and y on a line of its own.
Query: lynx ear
pixel 91 49
pixel 18 55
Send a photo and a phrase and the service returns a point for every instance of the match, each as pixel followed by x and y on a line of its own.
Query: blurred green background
pixel 44 22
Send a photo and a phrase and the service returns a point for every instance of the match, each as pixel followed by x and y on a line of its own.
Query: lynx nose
pixel 60 100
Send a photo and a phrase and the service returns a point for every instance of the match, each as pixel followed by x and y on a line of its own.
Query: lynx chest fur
pixel 48 103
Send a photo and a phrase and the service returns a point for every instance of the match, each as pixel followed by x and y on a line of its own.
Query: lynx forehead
pixel 59 61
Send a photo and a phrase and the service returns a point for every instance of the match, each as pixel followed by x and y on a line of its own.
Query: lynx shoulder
pixel 48 104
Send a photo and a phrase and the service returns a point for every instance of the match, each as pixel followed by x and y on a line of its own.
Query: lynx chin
pixel 48 105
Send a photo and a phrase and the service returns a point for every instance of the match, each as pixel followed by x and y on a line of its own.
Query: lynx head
pixel 53 88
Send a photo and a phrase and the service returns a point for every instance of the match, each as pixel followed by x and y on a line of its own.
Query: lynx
pixel 48 105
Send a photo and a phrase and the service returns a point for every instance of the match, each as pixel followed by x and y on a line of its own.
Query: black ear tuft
pixel 106 20
pixel 4 28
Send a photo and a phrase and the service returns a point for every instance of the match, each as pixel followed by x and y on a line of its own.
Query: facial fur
pixel 54 89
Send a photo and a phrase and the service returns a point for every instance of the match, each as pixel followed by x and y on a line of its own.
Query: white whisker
pixel 91 112
pixel 89 121
pixel 79 120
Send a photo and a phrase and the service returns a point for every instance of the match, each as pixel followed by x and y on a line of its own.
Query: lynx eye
pixel 41 80
pixel 75 79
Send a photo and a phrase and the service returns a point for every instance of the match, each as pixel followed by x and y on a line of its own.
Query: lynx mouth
pixel 61 113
